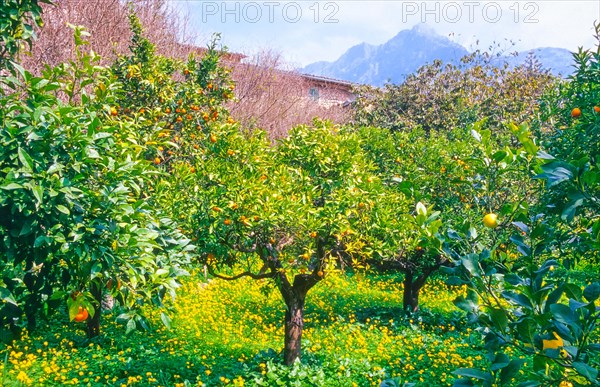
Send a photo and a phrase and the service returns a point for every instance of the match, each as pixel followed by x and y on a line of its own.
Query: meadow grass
pixel 231 333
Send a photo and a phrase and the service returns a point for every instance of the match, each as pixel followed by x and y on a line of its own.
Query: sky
pixel 306 31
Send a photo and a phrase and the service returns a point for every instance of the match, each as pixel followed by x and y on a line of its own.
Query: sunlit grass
pixel 355 334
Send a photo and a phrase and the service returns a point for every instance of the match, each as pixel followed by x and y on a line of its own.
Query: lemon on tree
pixel 490 220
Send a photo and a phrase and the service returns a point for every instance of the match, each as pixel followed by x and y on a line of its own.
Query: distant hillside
pixel 558 60
pixel 393 60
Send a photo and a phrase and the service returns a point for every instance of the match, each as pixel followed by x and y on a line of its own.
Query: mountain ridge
pixel 412 48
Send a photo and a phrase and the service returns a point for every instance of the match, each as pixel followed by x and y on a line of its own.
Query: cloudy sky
pixel 306 31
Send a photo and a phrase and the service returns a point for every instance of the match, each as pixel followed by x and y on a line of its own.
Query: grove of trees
pixel 120 180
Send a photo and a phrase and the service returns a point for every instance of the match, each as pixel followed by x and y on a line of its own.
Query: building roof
pixel 320 78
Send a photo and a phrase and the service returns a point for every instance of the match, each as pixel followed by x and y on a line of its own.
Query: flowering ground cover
pixel 230 333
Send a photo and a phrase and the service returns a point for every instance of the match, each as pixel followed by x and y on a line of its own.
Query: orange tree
pixel 399 231
pixel 438 171
pixel 280 213
pixel 530 314
pixel 74 221
pixel 175 106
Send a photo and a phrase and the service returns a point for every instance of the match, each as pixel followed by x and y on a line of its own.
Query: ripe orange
pixel 213 138
pixel 230 152
pixel 113 111
pixel 186 72
pixel 227 222
pixel 179 119
pixel 597 109
pixel 320 273
pixel 553 344
pixel 156 160
pixel 168 110
pixel 82 315
pixel 313 234
pixel 490 220
pixel 305 256
pixel 576 112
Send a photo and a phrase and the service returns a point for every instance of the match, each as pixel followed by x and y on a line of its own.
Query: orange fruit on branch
pixel 81 315
pixel 490 220
pixel 576 112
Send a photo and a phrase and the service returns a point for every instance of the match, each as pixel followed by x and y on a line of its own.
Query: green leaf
pixel 131 326
pixel 569 212
pixel 473 373
pixel 510 371
pixel 517 298
pixel 499 319
pixel 563 314
pixel 73 310
pixel 592 292
pixel 11 186
pixel 6 296
pixel 470 303
pixel 471 263
pixel 556 172
pixel 25 160
pixel 166 320
pixel 38 192
pixel 63 209
pixel 586 370
pixel 529 383
pixel 500 361
pixel 421 209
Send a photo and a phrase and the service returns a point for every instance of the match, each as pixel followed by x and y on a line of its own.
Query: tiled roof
pixel 328 80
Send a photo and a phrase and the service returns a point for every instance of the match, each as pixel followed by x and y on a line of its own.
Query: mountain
pixel 391 61
pixel 410 49
pixel 558 60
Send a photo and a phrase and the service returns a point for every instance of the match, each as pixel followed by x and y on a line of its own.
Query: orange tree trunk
pixel 411 293
pixel 294 296
pixel 93 323
pixel 294 323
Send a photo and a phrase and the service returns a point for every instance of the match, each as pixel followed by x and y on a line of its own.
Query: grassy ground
pixel 231 333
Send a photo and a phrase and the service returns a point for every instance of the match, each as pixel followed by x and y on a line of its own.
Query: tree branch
pixel 244 274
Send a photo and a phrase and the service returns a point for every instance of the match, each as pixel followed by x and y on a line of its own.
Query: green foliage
pixel 444 97
pixel 73 213
pixel 550 321
pixel 18 19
